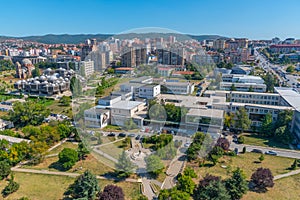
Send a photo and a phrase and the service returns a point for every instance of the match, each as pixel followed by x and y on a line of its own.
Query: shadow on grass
pixel 269 141
pixel 58 166
pixel 208 165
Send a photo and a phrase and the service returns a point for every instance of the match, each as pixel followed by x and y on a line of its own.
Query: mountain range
pixel 80 38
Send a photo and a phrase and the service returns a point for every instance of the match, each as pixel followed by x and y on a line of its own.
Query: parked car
pixel 122 135
pixel 273 153
pixel 111 134
pixel 187 144
pixel 137 137
pixel 256 151
pixel 131 135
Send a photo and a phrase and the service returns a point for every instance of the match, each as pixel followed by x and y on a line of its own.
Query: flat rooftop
pixel 126 105
pixel 258 106
pixel 213 113
pixel 141 79
pixel 217 92
pixel 191 101
pixel 291 96
pixel 96 109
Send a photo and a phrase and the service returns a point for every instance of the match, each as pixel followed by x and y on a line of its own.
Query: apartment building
pixel 86 68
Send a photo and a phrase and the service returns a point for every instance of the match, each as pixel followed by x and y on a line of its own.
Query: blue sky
pixel 255 19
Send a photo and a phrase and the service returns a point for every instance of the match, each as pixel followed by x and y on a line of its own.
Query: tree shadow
pixel 58 166
pixel 208 165
pixel 256 162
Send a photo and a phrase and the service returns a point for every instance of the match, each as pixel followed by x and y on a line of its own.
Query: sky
pixel 254 19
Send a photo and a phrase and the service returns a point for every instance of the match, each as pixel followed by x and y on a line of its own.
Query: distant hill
pixel 80 38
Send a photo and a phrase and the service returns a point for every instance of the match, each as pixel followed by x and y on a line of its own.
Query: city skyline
pixel 251 19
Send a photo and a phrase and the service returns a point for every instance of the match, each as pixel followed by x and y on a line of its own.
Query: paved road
pixel 280 152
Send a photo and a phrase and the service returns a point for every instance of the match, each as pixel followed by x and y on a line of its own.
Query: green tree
pixel 11 187
pixel 28 113
pixel 85 187
pixel 65 101
pixel 186 184
pixel 82 150
pixel 251 89
pixel 4 169
pixel 142 197
pixel 63 130
pixel 267 125
pixel 188 171
pixel 215 190
pixel 201 143
pixel 36 72
pixel 283 134
pixel 294 165
pixel 154 164
pixel 173 194
pixel 124 166
pixel 290 69
pixel 261 157
pixel 68 157
pixel 237 184
pixel 269 81
pixel 242 121
pixel 228 120
pixel 232 88
pixel 129 124
pixel 75 86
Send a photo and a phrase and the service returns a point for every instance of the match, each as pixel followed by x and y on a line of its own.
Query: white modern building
pixel 149 91
pixel 245 87
pixel 96 117
pixel 182 88
pixel 291 97
pixel 127 110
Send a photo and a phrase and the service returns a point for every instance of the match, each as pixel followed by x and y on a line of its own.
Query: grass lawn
pixel 257 140
pixel 247 162
pixel 50 187
pixel 90 163
pixel 113 149
pixel 112 128
pixel 61 147
pixel 284 189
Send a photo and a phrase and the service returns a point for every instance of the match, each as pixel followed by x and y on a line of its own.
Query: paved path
pixel 287 174
pixel 105 155
pixel 175 167
pixel 70 174
pixel 148 192
pixel 58 144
